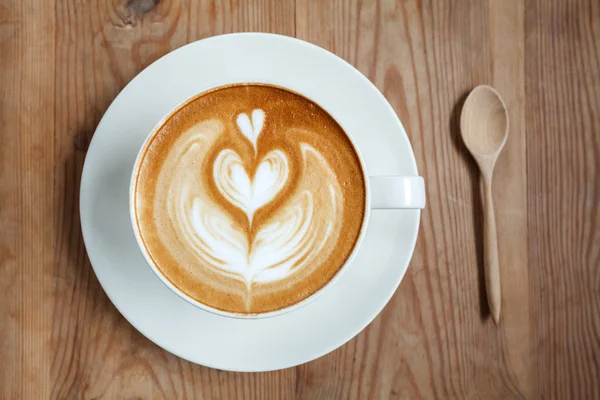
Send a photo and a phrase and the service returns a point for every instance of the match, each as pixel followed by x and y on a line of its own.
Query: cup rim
pixel 230 314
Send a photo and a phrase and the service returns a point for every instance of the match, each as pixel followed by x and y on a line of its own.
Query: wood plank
pixel 431 340
pixel 563 163
pixel 26 203
pixel 507 24
pixel 100 47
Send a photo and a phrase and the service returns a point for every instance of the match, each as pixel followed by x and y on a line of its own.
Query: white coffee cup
pixel 382 192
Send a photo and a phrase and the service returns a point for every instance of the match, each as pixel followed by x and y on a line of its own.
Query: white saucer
pixel 197 335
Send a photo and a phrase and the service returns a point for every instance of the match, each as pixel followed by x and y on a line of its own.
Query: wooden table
pixel 62 62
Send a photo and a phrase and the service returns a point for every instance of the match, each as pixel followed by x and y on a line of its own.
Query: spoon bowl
pixel 484 122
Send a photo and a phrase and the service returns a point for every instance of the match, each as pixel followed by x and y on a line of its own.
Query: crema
pixel 249 198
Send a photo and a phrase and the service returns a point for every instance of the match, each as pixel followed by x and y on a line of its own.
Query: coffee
pixel 249 198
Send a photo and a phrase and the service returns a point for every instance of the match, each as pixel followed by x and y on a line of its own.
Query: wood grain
pixel 26 203
pixel 63 61
pixel 563 196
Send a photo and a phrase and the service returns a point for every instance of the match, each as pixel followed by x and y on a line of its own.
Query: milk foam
pixel 251 129
pixel 247 194
pixel 299 234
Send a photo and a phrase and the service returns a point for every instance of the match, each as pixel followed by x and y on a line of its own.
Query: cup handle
pixel 389 192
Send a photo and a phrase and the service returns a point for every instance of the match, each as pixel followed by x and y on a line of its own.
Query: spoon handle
pixel 490 252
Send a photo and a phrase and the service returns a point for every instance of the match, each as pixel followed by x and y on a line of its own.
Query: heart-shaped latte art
pixel 250 194
pixel 295 237
pixel 251 129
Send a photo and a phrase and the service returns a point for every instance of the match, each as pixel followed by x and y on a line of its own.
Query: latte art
pixel 292 239
pixel 244 209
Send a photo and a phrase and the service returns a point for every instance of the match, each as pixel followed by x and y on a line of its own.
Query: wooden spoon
pixel 484 127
